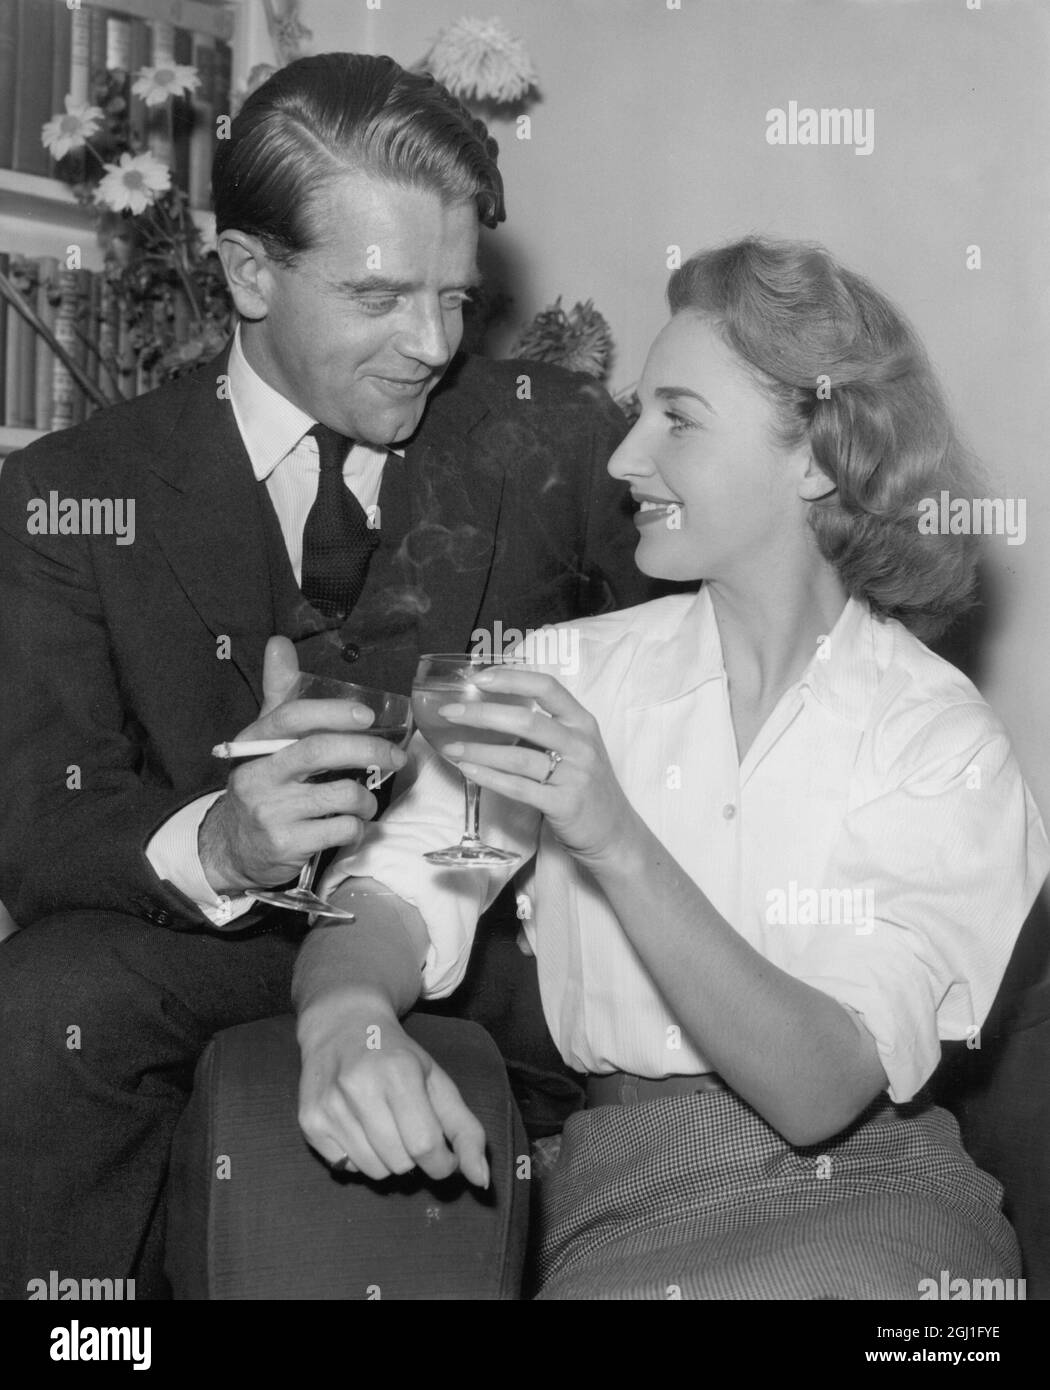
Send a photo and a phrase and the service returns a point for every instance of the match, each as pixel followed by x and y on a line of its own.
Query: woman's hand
pixel 371 1100
pixel 577 790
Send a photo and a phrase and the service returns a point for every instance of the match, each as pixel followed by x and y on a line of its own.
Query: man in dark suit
pixel 466 493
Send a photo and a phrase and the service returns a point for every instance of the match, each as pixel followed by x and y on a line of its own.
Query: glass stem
pixel 472 813
pixel 306 874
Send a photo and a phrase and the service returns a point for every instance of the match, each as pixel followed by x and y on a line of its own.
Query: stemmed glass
pixel 444 679
pixel 393 722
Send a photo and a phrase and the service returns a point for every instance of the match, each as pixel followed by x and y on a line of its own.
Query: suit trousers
pixel 102 1020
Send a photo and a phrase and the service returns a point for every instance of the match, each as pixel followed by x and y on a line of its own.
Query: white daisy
pixel 69 132
pixel 134 183
pixel 155 85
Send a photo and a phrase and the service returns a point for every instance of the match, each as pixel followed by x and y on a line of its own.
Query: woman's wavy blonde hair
pixel 849 376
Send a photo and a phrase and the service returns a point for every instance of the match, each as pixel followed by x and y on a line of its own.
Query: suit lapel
pixel 207 519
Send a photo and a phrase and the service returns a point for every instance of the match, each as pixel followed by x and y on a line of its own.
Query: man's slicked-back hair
pixel 848 377
pixel 338 113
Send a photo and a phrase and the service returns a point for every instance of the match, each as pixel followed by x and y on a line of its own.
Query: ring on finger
pixel 341 1164
pixel 555 759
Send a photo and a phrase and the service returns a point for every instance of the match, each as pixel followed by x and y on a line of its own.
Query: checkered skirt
pixel 697 1197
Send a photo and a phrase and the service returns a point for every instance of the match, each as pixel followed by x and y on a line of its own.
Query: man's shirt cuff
pixel 173 855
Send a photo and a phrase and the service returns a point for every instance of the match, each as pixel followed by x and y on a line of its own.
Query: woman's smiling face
pixel 716 492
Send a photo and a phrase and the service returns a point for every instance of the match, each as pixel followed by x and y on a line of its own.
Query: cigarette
pixel 248 749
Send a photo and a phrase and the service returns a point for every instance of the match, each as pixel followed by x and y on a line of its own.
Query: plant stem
pixel 176 259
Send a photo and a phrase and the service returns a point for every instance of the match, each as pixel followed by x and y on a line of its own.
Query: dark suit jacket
pixel 123 664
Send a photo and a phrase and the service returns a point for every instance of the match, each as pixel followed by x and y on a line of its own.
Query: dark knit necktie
pixel 337 540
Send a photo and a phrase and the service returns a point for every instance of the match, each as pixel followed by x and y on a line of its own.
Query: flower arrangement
pixel 580 341
pixel 166 276
pixel 158 263
pixel 478 60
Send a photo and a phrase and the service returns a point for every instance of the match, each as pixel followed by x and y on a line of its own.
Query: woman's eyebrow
pixel 668 393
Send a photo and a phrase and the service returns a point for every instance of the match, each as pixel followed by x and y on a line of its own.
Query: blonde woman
pixel 779 849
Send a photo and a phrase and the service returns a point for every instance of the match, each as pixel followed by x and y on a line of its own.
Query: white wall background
pixel 651 131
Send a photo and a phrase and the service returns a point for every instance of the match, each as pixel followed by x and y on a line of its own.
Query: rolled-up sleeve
pixel 429 816
pixel 950 847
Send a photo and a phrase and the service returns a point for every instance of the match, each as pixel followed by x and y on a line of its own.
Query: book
pixel 161 332
pixel 182 115
pixel 223 79
pixel 20 385
pixel 163 43
pixel 159 122
pixel 140 48
pixel 202 140
pixel 63 387
pixel 5 266
pixel 8 69
pixel 47 309
pixel 33 86
pixel 98 46
pixel 127 357
pixel 143 375
pixel 108 336
pixel 81 328
pixel 203 15
pixel 118 52
pixel 93 327
pixel 183 318
pixel 78 74
pixel 118 43
pixel 63 69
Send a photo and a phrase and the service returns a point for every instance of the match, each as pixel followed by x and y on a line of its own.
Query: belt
pixel 621 1088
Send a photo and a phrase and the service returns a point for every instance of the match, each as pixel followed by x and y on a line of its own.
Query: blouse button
pixel 729 810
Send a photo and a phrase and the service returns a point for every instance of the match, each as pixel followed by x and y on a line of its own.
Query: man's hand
pixel 368 1092
pixel 272 817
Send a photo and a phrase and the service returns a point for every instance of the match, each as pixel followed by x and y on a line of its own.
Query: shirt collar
pixel 844 672
pixel 842 675
pixel 682 658
pixel 270 424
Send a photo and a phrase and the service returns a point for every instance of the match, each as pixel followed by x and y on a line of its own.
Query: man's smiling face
pixel 358 331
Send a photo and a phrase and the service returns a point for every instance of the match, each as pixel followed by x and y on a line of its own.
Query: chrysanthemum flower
pixel 69 132
pixel 579 341
pixel 134 183
pixel 478 60
pixel 155 85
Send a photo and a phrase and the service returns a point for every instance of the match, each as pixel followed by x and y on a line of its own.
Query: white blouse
pixel 877 841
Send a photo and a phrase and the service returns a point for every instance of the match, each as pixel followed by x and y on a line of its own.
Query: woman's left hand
pixel 567 776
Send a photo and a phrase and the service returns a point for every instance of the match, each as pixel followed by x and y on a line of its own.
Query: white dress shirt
pixel 877 841
pixel 273 430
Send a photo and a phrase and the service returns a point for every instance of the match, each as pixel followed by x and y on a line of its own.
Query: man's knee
pixel 71 990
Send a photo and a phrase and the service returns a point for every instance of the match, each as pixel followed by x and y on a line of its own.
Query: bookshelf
pixel 39 215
